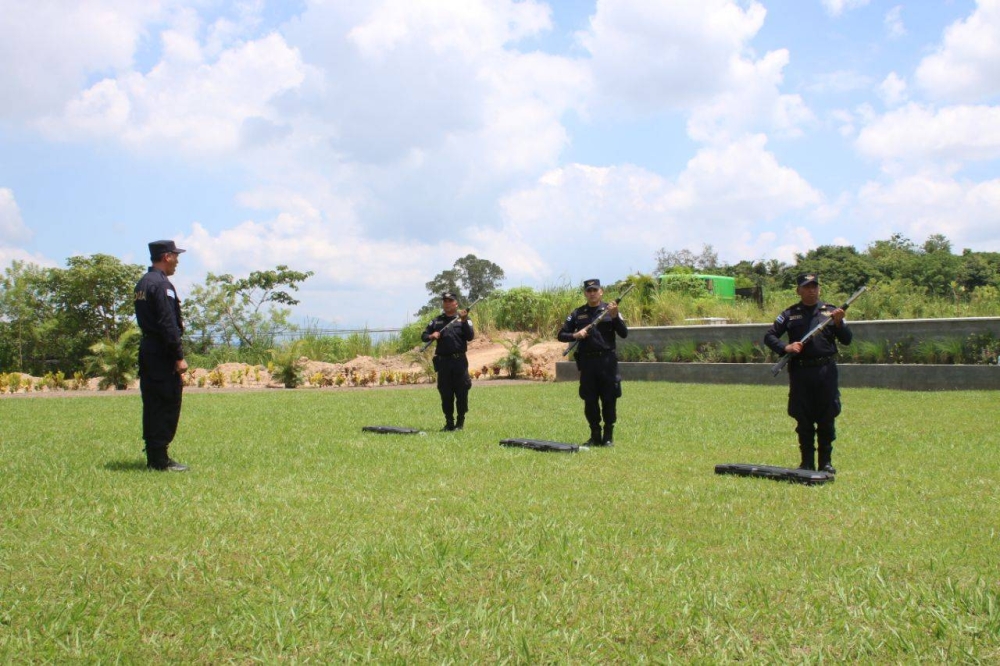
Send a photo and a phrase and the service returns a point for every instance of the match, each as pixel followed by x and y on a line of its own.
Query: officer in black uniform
pixel 597 360
pixel 161 358
pixel 813 396
pixel 450 362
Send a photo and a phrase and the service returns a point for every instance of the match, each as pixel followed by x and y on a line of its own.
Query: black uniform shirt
pixel 454 339
pixel 799 320
pixel 601 338
pixel 158 311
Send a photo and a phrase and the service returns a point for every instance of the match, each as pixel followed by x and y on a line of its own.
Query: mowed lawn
pixel 298 538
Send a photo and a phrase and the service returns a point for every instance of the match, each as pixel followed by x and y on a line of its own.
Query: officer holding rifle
pixel 597 359
pixel 450 361
pixel 814 394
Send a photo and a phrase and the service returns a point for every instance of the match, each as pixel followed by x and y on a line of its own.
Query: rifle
pixel 783 361
pixel 597 318
pixel 457 318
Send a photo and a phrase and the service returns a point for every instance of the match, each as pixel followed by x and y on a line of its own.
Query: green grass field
pixel 298 538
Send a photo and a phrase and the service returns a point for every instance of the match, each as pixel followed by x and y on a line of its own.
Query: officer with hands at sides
pixel 161 357
pixel 814 394
pixel 597 360
pixel 450 362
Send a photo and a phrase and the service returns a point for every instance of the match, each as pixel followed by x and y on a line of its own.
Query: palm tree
pixel 115 362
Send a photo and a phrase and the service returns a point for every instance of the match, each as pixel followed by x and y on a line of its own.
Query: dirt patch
pixel 485 355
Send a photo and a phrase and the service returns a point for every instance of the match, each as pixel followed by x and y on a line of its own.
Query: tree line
pixel 57 319
pixel 930 269
pixel 51 319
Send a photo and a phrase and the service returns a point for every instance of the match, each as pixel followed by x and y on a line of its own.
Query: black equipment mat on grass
pixel 391 430
pixel 777 473
pixel 540 445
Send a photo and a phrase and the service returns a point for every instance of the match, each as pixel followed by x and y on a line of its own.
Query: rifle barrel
pixel 598 318
pixel 457 318
pixel 783 361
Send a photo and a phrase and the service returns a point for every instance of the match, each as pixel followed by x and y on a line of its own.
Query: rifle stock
pixel 598 318
pixel 783 361
pixel 451 323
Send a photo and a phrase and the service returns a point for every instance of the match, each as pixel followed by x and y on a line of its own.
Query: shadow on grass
pixel 126 466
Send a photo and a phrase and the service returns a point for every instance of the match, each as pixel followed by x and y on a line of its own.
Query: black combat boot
pixel 449 424
pixel 808 462
pixel 460 423
pixel 174 466
pixel 157 458
pixel 825 456
pixel 595 436
pixel 609 435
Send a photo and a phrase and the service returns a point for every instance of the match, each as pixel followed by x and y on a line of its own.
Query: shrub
pixel 513 362
pixel 684 351
pixel 216 379
pixel 288 365
pixel 79 381
pixel 116 363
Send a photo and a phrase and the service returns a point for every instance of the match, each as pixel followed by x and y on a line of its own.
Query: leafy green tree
pixel 937 243
pixel 707 260
pixel 839 267
pixel 26 310
pixel 94 299
pixel 474 277
pixel 937 272
pixel 894 258
pixel 230 311
pixel 977 270
pixel 55 315
pixel 444 281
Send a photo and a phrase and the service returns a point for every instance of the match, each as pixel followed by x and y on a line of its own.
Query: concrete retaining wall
pixel 893 330
pixel 905 377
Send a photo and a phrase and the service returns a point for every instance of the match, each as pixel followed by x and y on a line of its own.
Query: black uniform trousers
pixel 814 403
pixel 453 383
pixel 161 411
pixel 600 387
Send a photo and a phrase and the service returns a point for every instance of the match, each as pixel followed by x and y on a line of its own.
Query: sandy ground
pixel 406 369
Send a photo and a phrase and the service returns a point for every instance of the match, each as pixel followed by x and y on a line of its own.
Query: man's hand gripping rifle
pixel 451 323
pixel 783 361
pixel 597 318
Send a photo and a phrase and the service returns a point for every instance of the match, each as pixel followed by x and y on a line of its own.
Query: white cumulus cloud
pixel 918 134
pixel 892 90
pixel 12 227
pixel 722 197
pixel 928 203
pixel 893 21
pixel 49 48
pixel 838 7
pixel 651 57
pixel 185 104
pixel 964 66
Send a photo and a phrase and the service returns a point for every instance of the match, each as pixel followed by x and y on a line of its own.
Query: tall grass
pixel 296 537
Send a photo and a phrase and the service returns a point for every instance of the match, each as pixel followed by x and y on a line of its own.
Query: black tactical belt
pixel 595 354
pixel 814 362
pixel 458 355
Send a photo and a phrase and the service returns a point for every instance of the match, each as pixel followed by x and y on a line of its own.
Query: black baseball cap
pixel 807 278
pixel 449 296
pixel 592 283
pixel 159 248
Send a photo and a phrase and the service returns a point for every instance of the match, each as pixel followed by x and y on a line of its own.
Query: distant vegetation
pixel 52 318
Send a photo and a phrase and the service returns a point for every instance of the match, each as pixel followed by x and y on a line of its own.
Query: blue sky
pixel 375 143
